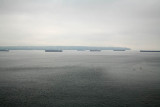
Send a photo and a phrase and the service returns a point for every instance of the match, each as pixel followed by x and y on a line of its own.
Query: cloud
pixel 134 24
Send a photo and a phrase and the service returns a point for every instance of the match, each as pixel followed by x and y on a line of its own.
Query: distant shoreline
pixel 61 48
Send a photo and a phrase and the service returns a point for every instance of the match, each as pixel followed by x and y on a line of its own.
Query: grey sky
pixel 126 23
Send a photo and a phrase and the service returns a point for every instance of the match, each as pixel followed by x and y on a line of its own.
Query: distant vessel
pixel 53 51
pixel 80 50
pixel 95 50
pixel 5 50
pixel 119 50
pixel 149 51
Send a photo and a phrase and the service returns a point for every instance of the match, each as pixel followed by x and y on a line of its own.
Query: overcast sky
pixel 124 23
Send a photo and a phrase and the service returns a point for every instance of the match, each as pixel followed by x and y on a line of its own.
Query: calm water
pixel 79 79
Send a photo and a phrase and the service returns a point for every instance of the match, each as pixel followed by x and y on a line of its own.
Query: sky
pixel 122 23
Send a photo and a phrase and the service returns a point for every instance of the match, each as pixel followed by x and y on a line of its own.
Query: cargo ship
pixel 4 50
pixel 149 51
pixel 119 50
pixel 53 50
pixel 95 50
pixel 80 50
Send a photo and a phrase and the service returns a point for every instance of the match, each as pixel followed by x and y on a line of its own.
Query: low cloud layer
pixel 134 24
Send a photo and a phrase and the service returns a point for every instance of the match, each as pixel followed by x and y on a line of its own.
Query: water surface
pixel 79 79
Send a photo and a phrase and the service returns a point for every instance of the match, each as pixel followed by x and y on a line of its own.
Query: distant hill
pixel 61 48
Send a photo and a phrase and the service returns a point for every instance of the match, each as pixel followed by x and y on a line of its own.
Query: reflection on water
pixel 79 79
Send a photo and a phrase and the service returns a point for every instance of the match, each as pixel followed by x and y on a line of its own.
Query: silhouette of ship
pixel 119 50
pixel 5 50
pixel 95 50
pixel 80 50
pixel 53 50
pixel 149 51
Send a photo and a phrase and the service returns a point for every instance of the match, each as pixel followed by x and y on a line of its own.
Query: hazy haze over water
pixel 119 78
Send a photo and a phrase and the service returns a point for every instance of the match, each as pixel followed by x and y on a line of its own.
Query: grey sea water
pixel 79 79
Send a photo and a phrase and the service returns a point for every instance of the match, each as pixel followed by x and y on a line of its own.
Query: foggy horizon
pixel 79 53
pixel 111 23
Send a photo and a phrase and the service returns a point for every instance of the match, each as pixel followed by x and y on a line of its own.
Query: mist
pixel 134 24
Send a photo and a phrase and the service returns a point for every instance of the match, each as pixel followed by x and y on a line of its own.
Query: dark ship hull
pixel 53 51
pixel 148 51
pixel 95 50
pixel 119 50
pixel 4 50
